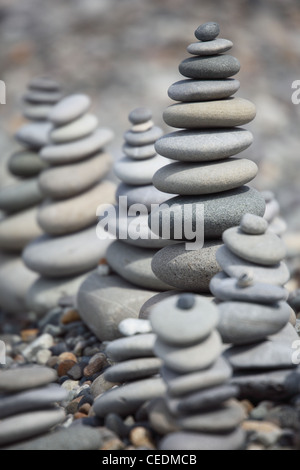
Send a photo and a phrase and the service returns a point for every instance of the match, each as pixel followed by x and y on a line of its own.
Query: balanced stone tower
pixel 199 410
pixel 74 188
pixel 19 200
pixel 205 174
pixel 254 314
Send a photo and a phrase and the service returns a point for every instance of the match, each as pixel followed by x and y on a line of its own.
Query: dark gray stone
pixel 207 68
pixel 207 31
pixel 133 370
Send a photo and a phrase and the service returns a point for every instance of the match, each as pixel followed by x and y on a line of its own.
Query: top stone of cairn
pixel 207 31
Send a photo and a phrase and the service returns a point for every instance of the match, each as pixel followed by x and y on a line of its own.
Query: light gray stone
pixel 201 441
pixel 42 97
pixel 146 195
pixel 253 225
pixel 20 196
pixel 150 304
pixel 139 153
pixel 212 67
pixel 203 90
pixel 69 109
pixel 17 230
pixel 78 129
pixel 133 370
pixel 37 112
pixel 215 46
pixel 136 346
pixel 35 135
pixel 143 138
pixel 138 172
pixel 134 326
pixel 140 115
pixel 25 378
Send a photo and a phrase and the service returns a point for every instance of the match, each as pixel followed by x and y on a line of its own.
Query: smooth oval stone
pixel 78 129
pixel 31 400
pixel 146 195
pixel 25 378
pixel 37 112
pixel 35 135
pixel 69 109
pixel 187 269
pixel 200 441
pixel 211 177
pixel 253 225
pixel 221 211
pixel 143 127
pixel 17 230
pixel 215 46
pixel 226 288
pixel 243 322
pixel 44 83
pixel 160 418
pixel 207 31
pixel 65 256
pixel 278 226
pixel 210 114
pixel 131 347
pixel 77 213
pixel 148 306
pixel 176 326
pixel 26 425
pixel 203 146
pixel 103 302
pixel 140 115
pixel 77 150
pixel 192 358
pixel 139 153
pixel 56 183
pixel 204 399
pixel 266 249
pixel 138 173
pixel 203 90
pixel 236 267
pixel 41 97
pixel 134 264
pixel 210 67
pixel 26 164
pixel 126 400
pixel 143 138
pixel 20 196
pixel 45 293
pixel 133 370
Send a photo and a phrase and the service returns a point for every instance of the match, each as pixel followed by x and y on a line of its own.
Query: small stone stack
pixel 199 411
pixel 28 404
pixel 74 189
pixel 136 368
pixel 272 215
pixel 19 200
pixel 254 314
pixel 205 174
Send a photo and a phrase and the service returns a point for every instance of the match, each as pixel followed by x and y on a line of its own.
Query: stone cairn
pixel 74 188
pixel 199 410
pixel 254 315
pixel 20 199
pixel 205 174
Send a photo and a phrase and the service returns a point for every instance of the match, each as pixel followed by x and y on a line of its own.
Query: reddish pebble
pixel 70 315
pixel 67 356
pixel 64 367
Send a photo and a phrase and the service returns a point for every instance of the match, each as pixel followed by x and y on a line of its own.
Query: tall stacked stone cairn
pixel 199 410
pixel 73 186
pixel 255 318
pixel 205 173
pixel 19 200
pixel 105 300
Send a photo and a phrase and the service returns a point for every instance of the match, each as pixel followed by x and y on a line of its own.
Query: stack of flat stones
pixel 28 404
pixel 205 173
pixel 136 369
pixel 19 200
pixel 199 410
pixel 272 215
pixel 255 319
pixel 74 187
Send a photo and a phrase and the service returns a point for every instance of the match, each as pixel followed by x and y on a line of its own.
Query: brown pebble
pixel 260 426
pixel 52 362
pixel 96 364
pixel 64 367
pixel 29 335
pixel 141 437
pixel 79 415
pixel 85 409
pixel 102 262
pixel 67 356
pixel 113 444
pixel 247 405
pixel 70 315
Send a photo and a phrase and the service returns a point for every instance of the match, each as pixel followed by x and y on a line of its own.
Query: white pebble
pixel 133 326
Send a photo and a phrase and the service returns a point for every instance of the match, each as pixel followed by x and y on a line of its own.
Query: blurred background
pixel 125 53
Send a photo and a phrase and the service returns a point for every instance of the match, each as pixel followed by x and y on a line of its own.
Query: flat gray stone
pixel 226 288
pixel 207 31
pixel 210 114
pixel 203 90
pixel 177 326
pixel 203 145
pixel 148 306
pixel 221 212
pixel 17 230
pixel 212 67
pixel 69 109
pixel 244 323
pixel 26 164
pixel 253 225
pixel 44 83
pixel 42 97
pixel 131 347
pixel 192 358
pixel 31 400
pixel 288 335
pixel 26 378
pixel 27 425
pixel 139 153
pixel 65 256
pixel 146 195
pixel 161 420
pixel 140 115
pixel 133 370
pixel 134 264
pixel 103 302
pixel 35 135
pixel 189 179
pixel 37 112
pixel 143 138
pixel 266 249
pixel 138 172
pixel 78 129
pixel 77 150
pixel 215 46
pixel 187 270
pixel 127 399
pixel 235 266
pixel 56 182
pixel 200 441
pixel 20 196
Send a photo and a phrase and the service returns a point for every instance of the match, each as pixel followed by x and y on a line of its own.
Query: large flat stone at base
pixel 104 301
